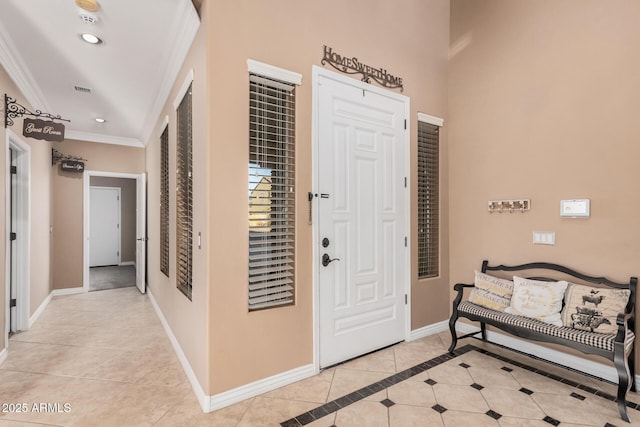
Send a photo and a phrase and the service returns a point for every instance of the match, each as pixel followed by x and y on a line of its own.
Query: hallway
pixel 103 359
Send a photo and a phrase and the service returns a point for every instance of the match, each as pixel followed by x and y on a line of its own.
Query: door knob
pixel 326 260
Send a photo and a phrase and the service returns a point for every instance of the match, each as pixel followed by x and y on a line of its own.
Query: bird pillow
pixel 593 309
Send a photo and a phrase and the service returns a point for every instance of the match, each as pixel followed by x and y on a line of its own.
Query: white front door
pixel 104 226
pixel 141 231
pixel 362 218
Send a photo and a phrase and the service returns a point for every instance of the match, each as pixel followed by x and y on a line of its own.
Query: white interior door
pixel 362 214
pixel 141 232
pixel 104 234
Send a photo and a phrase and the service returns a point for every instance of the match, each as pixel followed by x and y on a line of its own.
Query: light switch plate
pixel 575 208
pixel 544 238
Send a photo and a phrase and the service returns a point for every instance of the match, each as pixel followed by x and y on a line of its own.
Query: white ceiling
pixel 130 74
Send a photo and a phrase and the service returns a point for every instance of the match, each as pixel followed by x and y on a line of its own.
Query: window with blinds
pixel 184 196
pixel 164 201
pixel 271 192
pixel 428 200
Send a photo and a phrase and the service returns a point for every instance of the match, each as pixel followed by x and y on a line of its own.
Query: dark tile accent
pixel 388 403
pixel 344 401
pixel 493 414
pixel 551 421
pixel 304 419
pixel 610 425
pixel 526 391
pixel 439 408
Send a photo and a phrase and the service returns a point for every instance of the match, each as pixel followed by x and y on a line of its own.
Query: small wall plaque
pixel 72 166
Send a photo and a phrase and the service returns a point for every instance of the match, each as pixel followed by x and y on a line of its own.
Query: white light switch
pixel 544 238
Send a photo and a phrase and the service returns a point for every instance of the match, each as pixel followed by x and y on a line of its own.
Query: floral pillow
pixel 593 309
pixel 491 292
pixel 538 299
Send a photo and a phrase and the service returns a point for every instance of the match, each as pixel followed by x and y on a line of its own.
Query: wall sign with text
pixel 43 129
pixel 351 65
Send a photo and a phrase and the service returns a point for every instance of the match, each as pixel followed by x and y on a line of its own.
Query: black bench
pixel 618 347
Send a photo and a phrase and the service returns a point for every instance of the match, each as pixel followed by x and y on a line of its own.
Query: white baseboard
pixel 255 388
pixel 122 264
pixel 203 399
pixel 39 310
pixel 3 355
pixel 600 370
pixel 67 291
pixel 53 293
pixel 221 400
pixel 428 330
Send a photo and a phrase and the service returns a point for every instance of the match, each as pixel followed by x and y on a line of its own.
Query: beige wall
pixel 187 319
pixel 67 193
pixel 543 105
pixel 127 188
pixel 40 208
pixel 410 41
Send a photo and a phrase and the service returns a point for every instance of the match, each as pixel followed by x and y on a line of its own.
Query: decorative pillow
pixel 538 299
pixel 593 309
pixel 491 292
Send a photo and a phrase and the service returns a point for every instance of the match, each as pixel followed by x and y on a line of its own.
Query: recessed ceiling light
pixel 100 120
pixel 88 5
pixel 91 38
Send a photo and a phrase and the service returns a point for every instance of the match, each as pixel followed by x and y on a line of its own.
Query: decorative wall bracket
pixel 509 205
pixel 14 110
pixel 57 156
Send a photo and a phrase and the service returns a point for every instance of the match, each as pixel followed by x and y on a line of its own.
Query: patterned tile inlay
pixel 551 421
pixel 344 401
pixel 493 414
pixel 439 408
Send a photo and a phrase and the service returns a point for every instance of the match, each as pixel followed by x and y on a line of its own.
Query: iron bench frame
pixel 625 366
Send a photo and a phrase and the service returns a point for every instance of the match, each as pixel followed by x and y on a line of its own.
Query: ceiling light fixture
pixel 100 120
pixel 91 38
pixel 88 5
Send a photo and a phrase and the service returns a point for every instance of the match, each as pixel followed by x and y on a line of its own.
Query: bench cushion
pixel 592 339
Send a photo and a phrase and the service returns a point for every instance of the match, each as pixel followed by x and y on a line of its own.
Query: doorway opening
pixel 114 230
pixel 17 214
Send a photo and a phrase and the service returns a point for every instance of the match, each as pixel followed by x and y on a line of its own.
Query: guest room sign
pixel 43 129
pixel 351 65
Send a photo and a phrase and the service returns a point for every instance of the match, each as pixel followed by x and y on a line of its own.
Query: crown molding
pixel 185 33
pixel 105 139
pixel 14 66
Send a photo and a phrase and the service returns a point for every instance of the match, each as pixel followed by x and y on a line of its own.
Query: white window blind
pixel 164 201
pixel 184 196
pixel 271 192
pixel 428 200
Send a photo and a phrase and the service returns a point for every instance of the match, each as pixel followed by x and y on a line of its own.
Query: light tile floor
pixel 106 356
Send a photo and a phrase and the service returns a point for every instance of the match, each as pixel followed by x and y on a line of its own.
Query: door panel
pixel 141 232
pixel 362 211
pixel 104 226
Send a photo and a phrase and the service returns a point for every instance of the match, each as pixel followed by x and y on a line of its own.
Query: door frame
pixel 86 216
pixel 23 228
pixel 119 191
pixel 318 72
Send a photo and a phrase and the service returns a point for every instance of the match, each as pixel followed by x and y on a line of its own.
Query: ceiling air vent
pixel 82 89
pixel 88 18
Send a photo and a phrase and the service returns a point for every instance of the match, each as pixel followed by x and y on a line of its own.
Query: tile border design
pixel 344 401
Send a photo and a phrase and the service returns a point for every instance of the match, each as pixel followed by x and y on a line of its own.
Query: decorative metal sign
pixel 354 66
pixel 43 129
pixel 68 163
pixel 72 166
pixel 33 128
